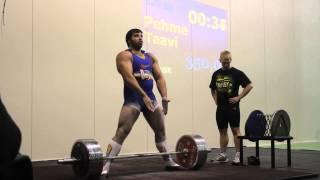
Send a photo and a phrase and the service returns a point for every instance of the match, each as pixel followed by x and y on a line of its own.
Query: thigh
pixel 155 119
pixel 127 118
pixel 234 117
pixel 221 118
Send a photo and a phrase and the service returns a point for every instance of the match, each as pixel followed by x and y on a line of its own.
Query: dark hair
pixel 130 33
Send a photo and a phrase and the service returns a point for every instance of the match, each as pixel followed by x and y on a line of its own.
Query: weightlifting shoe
pixel 104 173
pixel 170 165
pixel 220 158
pixel 105 169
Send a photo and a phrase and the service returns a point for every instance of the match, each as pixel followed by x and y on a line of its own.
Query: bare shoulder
pixel 124 55
pixel 153 57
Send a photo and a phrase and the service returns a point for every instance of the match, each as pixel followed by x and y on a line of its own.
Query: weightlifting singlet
pixel 130 95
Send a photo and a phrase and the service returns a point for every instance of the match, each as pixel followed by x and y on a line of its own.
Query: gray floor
pixel 301 159
pixel 303 162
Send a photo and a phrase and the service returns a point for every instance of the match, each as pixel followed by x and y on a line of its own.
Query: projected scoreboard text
pixel 185 31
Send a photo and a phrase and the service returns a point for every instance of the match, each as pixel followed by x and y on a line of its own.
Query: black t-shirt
pixel 227 83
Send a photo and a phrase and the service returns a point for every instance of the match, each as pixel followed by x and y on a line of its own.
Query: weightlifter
pixel 139 70
pixel 224 87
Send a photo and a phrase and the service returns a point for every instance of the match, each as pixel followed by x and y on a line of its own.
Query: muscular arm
pixel 159 78
pixel 161 84
pixel 124 67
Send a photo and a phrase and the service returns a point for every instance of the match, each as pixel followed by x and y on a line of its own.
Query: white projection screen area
pixel 188 35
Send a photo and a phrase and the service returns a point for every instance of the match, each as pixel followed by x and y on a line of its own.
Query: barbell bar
pixel 127 156
pixel 87 157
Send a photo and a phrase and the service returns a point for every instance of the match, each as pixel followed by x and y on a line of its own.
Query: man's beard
pixel 136 46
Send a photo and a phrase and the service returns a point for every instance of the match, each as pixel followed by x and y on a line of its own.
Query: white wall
pixel 16 59
pixel 307 38
pixel 59 81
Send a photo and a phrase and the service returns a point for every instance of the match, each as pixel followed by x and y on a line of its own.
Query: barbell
pixel 87 157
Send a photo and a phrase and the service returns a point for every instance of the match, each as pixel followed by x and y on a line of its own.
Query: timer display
pixel 186 35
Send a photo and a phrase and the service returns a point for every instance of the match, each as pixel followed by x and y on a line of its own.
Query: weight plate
pixel 195 149
pixel 88 151
pixel 256 125
pixel 280 123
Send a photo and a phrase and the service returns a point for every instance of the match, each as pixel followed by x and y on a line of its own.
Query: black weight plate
pixel 80 152
pixel 280 123
pixel 255 125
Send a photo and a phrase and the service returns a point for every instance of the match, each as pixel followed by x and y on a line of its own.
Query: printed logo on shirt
pixel 224 84
pixel 144 66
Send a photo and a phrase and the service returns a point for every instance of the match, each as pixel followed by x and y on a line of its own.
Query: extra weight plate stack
pixel 257 124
